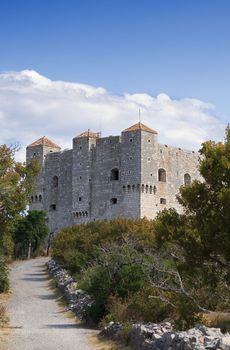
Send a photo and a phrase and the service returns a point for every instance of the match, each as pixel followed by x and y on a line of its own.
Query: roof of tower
pixel 87 134
pixel 140 126
pixel 44 141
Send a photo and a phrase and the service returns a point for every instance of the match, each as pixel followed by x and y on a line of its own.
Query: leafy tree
pixel 16 182
pixel 197 241
pixel 30 233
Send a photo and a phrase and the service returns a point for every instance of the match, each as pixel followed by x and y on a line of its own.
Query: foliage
pixel 16 182
pixel 31 230
pixel 197 241
pixel 4 281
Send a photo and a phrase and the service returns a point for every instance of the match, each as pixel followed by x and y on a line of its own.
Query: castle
pixel 131 175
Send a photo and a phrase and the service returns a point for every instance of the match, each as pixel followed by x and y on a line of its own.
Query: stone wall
pixel 88 191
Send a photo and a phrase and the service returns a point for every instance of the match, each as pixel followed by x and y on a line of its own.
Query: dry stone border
pixel 78 300
pixel 148 336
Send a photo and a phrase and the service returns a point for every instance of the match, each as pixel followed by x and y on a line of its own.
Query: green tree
pixel 16 183
pixel 30 233
pixel 197 241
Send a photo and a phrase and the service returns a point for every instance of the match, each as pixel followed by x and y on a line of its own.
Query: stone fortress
pixel 100 178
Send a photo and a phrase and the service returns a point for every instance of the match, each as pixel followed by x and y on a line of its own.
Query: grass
pixel 101 344
pixel 218 320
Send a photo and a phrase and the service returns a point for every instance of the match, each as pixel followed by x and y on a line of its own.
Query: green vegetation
pixel 16 183
pixel 29 234
pixel 176 267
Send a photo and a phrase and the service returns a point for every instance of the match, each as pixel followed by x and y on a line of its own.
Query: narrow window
pixel 113 200
pixel 52 207
pixel 80 199
pixel 31 199
pixel 130 140
pixel 187 179
pixel 162 175
pixel 162 201
pixel 40 198
pixel 154 189
pixel 55 182
pixel 114 174
pixel 36 199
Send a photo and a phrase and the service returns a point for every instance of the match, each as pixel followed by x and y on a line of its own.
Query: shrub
pixel 4 280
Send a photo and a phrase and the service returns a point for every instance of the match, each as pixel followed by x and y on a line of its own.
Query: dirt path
pixel 36 320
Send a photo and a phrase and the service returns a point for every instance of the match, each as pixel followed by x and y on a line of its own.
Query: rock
pixel 78 300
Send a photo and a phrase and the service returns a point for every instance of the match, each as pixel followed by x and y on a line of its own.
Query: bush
pixel 4 280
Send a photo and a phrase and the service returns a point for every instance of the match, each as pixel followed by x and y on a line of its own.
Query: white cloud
pixel 32 106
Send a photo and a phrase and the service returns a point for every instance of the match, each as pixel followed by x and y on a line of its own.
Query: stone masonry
pixel 101 178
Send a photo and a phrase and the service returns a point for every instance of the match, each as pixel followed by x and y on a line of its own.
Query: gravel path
pixel 37 322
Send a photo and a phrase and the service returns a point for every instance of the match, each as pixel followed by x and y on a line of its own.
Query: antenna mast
pixel 139 116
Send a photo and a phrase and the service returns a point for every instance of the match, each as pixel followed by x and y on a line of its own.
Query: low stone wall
pixel 162 337
pixel 149 336
pixel 76 298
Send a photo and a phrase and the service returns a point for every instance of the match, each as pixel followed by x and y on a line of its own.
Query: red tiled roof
pixel 45 142
pixel 140 126
pixel 87 134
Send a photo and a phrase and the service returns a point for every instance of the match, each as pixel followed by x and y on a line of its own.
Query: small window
pixel 151 174
pixel 80 199
pixel 80 147
pixel 36 199
pixel 52 207
pixel 187 179
pixel 80 177
pixel 114 174
pixel 162 175
pixel 130 140
pixel 34 155
pixel 113 200
pixel 149 140
pixel 79 163
pixel 31 199
pixel 40 198
pixel 154 189
pixel 149 159
pixel 162 201
pixel 55 182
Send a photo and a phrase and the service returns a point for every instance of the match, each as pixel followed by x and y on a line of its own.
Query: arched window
pixel 142 188
pixel 55 182
pixel 31 199
pixel 133 187
pixel 36 199
pixel 187 179
pixel 162 175
pixel 154 189
pixel 147 188
pixel 128 188
pixel 114 175
pixel 40 198
pixel 150 189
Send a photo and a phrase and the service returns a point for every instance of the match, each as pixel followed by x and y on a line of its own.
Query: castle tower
pixel 139 143
pixel 83 146
pixel 39 150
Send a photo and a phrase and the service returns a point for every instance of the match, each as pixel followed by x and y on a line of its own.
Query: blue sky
pixel 176 47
